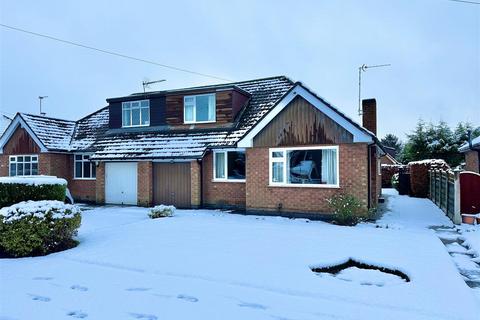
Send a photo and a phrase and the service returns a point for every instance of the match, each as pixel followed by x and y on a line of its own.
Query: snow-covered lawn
pixel 203 264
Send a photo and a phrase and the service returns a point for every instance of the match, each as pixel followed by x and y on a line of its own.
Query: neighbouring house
pixel 471 150
pixel 389 157
pixel 264 145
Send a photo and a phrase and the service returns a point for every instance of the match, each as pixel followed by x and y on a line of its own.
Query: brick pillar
pixel 145 183
pixel 100 183
pixel 4 163
pixel 196 187
pixel 44 164
pixel 369 111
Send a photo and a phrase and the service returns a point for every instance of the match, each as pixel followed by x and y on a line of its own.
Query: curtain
pixel 329 166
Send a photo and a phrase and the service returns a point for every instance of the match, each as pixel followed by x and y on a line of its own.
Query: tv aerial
pixel 146 83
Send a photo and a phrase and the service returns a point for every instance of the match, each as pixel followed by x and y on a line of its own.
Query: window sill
pixel 88 179
pixel 198 122
pixel 140 125
pixel 231 180
pixel 315 186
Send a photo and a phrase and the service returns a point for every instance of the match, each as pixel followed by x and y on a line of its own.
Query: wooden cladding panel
pixel 224 113
pixel 172 184
pixel 300 123
pixel 21 143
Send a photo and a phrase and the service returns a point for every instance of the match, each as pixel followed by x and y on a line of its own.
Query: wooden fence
pixel 445 192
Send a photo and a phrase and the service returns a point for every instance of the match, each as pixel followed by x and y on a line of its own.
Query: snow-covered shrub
pixel 395 182
pixel 388 170
pixel 161 211
pixel 347 210
pixel 33 228
pixel 17 189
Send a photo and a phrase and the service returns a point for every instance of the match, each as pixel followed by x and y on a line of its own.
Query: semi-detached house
pixel 264 145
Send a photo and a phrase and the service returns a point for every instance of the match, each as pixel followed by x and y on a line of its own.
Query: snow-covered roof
pixel 89 129
pixel 55 134
pixel 4 122
pixel 475 144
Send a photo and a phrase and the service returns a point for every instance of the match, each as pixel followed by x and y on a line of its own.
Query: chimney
pixel 369 113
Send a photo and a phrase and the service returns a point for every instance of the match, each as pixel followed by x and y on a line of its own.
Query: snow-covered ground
pixel 203 264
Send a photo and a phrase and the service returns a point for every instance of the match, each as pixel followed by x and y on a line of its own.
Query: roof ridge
pixel 45 117
pixel 91 114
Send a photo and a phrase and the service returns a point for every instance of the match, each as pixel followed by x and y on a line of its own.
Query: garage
pixel 172 184
pixel 121 183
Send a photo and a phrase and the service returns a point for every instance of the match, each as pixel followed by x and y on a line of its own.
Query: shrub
pixel 17 189
pixel 347 210
pixel 395 182
pixel 388 170
pixel 161 211
pixel 32 228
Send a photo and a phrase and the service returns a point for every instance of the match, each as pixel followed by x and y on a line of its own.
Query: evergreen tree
pixel 392 141
pixel 416 147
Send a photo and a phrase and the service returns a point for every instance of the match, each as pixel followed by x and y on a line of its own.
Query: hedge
pixel 14 190
pixel 419 176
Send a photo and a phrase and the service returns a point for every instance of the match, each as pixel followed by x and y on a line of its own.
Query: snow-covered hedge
pixel 419 176
pixel 33 228
pixel 347 210
pixel 161 211
pixel 17 189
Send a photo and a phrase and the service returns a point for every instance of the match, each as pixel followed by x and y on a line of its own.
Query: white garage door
pixel 121 182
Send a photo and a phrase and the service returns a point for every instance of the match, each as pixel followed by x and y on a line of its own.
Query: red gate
pixel 469 192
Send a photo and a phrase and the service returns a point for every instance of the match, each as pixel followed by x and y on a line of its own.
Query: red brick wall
pixel 195 183
pixel 260 196
pixel 100 184
pixel 471 161
pixel 144 183
pixel 220 194
pixel 4 163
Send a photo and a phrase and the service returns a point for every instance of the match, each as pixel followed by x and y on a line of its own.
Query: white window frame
pixel 14 160
pixel 195 108
pixel 284 161
pixel 92 164
pixel 124 106
pixel 225 151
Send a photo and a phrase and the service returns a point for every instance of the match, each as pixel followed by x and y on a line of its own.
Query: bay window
pixel 312 166
pixel 83 167
pixel 25 165
pixel 136 113
pixel 229 165
pixel 199 108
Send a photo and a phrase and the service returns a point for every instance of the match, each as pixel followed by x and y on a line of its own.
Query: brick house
pixel 264 145
pixel 471 150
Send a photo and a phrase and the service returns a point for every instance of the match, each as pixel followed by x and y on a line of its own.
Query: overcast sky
pixel 433 46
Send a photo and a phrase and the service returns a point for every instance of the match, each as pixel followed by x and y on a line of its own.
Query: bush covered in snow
pixel 395 182
pixel 419 176
pixel 161 211
pixel 33 228
pixel 388 170
pixel 17 189
pixel 347 210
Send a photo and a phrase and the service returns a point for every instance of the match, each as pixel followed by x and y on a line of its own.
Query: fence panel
pixel 443 191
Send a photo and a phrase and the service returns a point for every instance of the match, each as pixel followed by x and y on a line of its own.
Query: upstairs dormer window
pixel 199 108
pixel 136 113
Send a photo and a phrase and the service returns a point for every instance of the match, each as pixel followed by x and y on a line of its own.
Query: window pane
pixel 78 169
pixel 19 169
pixel 304 166
pixel 34 158
pixel 34 168
pixel 94 170
pixel 27 170
pixel 78 157
pixel 27 158
pixel 277 154
pixel 19 159
pixel 145 103
pixel 189 113
pixel 211 107
pixel 135 104
pixel 189 100
pixel 202 103
pixel 86 169
pixel 236 165
pixel 135 117
pixel 277 171
pixel 13 169
pixel 126 118
pixel 145 116
pixel 329 166
pixel 220 165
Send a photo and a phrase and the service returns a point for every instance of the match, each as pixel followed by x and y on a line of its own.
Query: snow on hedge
pixel 34 180
pixel 439 162
pixel 39 209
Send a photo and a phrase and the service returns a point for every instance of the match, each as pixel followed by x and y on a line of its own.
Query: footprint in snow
pixel 78 288
pixel 42 278
pixel 77 314
pixel 144 316
pixel 187 298
pixel 252 305
pixel 39 298
pixel 138 289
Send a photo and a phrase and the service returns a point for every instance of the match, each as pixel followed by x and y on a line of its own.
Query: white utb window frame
pixel 14 161
pixel 279 156
pixel 191 102
pixel 225 166
pixel 84 160
pixel 137 105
